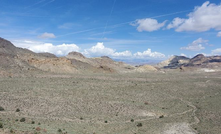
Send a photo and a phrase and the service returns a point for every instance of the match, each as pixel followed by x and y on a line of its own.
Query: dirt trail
pixel 193 113
pixel 194 109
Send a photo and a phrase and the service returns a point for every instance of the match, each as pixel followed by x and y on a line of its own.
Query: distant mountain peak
pixel 105 57
pixel 198 56
pixel 75 55
pixel 198 61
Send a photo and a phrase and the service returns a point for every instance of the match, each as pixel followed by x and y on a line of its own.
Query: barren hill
pixel 9 58
pixel 15 60
pixel 146 68
pixel 174 62
pixel 198 62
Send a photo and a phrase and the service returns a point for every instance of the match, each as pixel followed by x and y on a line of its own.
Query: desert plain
pixel 166 102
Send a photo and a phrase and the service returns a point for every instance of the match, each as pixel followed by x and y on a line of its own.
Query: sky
pixel 121 29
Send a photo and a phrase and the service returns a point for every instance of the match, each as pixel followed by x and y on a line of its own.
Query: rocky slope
pixel 198 62
pixel 19 60
pixel 98 64
pixel 146 68
pixel 9 58
pixel 173 62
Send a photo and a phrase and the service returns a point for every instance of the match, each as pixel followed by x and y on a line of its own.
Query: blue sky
pixel 121 29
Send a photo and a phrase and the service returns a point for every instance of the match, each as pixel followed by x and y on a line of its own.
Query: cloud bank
pixel 95 51
pixel 98 50
pixel 203 18
pixel 59 50
pixel 196 45
pixel 216 51
pixel 39 47
pixel 101 50
pixel 148 54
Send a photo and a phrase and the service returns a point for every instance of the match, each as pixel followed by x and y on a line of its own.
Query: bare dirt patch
pixel 178 128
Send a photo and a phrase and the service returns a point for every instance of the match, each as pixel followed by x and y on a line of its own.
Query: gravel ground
pixel 147 103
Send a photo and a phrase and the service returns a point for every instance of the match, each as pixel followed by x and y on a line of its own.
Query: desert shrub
pixel 39 123
pixel 146 103
pixel 139 124
pixel 32 122
pixel 1 125
pixel 22 120
pixel 161 116
pixel 38 129
pixel 132 120
pixel 1 108
pixel 81 118
pixel 105 121
pixel 17 110
pixel 16 120
pixel 59 130
pixel 44 130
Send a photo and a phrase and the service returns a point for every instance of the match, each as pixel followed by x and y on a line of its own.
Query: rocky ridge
pixel 198 62
pixel 19 60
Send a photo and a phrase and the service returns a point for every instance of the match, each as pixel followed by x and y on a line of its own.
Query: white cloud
pixel 101 50
pixel 25 43
pixel 216 51
pixel 95 51
pixel 47 35
pixel 219 34
pixel 192 47
pixel 182 54
pixel 176 22
pixel 148 24
pixel 122 54
pixel 203 18
pixel 39 47
pixel 196 45
pixel 148 54
pixel 59 50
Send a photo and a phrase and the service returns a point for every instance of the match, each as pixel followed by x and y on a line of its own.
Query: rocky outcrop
pixel 197 62
pixel 9 59
pixel 102 64
pixel 75 55
pixel 146 68
pixel 48 55
pixel 56 65
pixel 174 62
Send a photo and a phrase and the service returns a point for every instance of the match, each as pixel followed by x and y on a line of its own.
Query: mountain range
pixel 198 62
pixel 14 60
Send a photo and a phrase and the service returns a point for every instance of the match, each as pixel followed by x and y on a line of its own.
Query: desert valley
pixel 41 93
